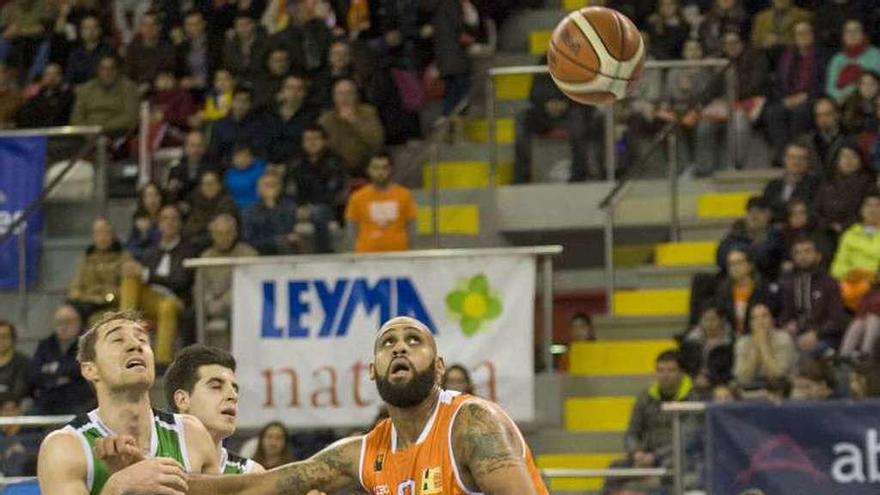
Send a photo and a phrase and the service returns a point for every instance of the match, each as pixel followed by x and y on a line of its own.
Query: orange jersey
pixel 428 467
pixel 382 217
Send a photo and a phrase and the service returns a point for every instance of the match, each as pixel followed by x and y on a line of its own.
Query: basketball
pixel 595 55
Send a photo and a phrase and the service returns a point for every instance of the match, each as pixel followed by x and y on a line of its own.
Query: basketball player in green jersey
pixel 116 358
pixel 201 382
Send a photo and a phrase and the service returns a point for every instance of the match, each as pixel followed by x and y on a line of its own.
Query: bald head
pixel 403 323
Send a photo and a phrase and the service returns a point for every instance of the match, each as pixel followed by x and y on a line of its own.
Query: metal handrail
pixel 67 130
pixel 49 420
pixel 649 64
pixel 606 473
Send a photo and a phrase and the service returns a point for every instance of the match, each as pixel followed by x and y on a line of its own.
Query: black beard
pixel 410 393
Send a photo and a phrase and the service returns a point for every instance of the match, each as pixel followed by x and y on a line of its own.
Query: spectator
pixel 268 84
pixel 55 381
pixel 756 234
pixel 24 24
pixel 273 449
pixel 858 108
pixel 742 290
pixel 51 106
pixel 160 285
pixel 707 349
pixel 184 173
pixel 814 380
pixel 766 354
pixel 860 339
pixel 18 445
pixel 245 53
pixel 847 65
pixel 317 183
pixel 382 215
pixel 307 38
pixel 580 328
pixel 798 80
pixel 95 284
pixel 206 202
pixel 400 120
pixel 648 438
pixel 338 67
pixel 550 109
pixel 774 26
pixel 82 62
pixel 864 380
pixel 294 114
pixel 196 57
pixel 668 30
pixel 244 124
pixel 218 280
pixel 831 16
pixel 812 310
pixel 858 254
pixel 218 101
pixel 171 108
pixel 796 183
pixel 838 201
pixel 354 130
pixel 801 223
pixel 109 100
pixel 13 363
pixel 826 139
pixel 458 379
pixel 724 16
pixel 148 53
pixel 456 26
pixel 241 178
pixel 268 224
pixel 144 226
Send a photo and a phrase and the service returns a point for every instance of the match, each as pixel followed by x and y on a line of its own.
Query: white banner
pixel 303 333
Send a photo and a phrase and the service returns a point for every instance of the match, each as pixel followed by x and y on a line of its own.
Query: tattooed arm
pixel 334 468
pixel 489 452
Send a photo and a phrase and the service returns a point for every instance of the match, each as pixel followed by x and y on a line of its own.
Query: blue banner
pixel 22 163
pixel 797 448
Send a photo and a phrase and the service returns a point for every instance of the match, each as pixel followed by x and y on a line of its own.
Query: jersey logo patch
pixel 378 463
pixel 382 490
pixel 432 482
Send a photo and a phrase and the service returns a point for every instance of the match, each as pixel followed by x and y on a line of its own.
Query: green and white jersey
pixel 231 463
pixel 166 440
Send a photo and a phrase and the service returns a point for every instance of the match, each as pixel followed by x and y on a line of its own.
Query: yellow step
pixel 685 253
pixel 576 461
pixel 598 414
pixel 616 357
pixel 652 302
pixel 466 174
pixel 570 5
pixel 632 255
pixel 538 42
pixel 722 205
pixel 513 86
pixel 452 219
pixel 477 130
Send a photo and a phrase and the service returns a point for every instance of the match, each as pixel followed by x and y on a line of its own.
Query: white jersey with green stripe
pixel 166 440
pixel 232 463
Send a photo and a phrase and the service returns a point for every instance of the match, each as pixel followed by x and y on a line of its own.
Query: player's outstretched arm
pixel 489 452
pixel 334 468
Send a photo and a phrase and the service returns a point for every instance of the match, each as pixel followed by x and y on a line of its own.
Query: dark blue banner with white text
pixel 796 448
pixel 22 163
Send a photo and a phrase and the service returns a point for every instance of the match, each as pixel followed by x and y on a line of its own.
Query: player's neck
pixel 128 414
pixel 410 422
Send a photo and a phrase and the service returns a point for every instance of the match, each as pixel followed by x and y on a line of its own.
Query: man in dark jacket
pixel 826 140
pixel 551 109
pixel 812 309
pixel 82 62
pixel 755 234
pixel 268 225
pixel 184 173
pixel 51 106
pixel 244 124
pixel 317 183
pixel 293 114
pixel 196 58
pixel 161 285
pixel 54 380
pixel 796 183
pixel 245 53
pixel 148 53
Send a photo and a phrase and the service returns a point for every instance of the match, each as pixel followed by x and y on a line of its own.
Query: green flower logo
pixel 474 304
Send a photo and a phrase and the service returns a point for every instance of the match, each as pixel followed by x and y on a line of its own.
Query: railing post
pixel 609 258
pixel 22 275
pixel 674 222
pixel 491 130
pixel 435 196
pixel 732 134
pixel 199 294
pixel 547 309
pixel 102 187
pixel 678 455
pixel 610 155
pixel 144 169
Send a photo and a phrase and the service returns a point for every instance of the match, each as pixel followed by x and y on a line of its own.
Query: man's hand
pixel 348 114
pixel 159 476
pixel 643 459
pixel 794 100
pixel 118 453
pixel 808 341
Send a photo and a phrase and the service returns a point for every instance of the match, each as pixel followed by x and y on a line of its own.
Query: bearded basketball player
pixel 435 442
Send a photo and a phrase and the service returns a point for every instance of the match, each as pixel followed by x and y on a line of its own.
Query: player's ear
pixel 181 400
pixel 89 371
pixel 440 368
pixel 372 372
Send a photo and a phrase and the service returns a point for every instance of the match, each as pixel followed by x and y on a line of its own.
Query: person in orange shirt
pixel 382 215
pixel 434 442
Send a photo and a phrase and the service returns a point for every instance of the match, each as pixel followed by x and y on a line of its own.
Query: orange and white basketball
pixel 595 55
